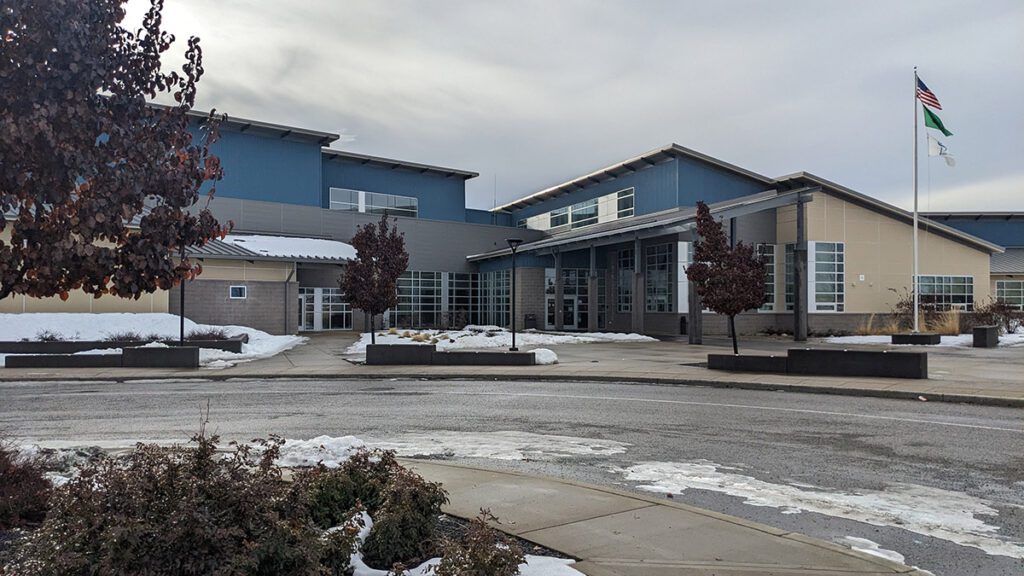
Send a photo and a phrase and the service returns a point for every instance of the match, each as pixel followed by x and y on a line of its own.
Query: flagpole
pixel 913 280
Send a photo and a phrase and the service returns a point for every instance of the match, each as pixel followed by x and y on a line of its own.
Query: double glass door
pixel 570 311
pixel 323 309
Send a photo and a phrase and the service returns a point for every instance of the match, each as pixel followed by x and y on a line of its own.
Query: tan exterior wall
pixel 880 249
pixel 245 270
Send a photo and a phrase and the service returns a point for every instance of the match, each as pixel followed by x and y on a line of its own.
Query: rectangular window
pixel 766 252
pixel 789 262
pixel 1011 292
pixel 625 203
pixel 373 202
pixel 583 214
pixel 829 277
pixel 419 300
pixel 494 297
pixel 237 292
pixel 624 288
pixel 521 223
pixel 658 270
pixel 559 217
pixel 946 292
pixel 335 313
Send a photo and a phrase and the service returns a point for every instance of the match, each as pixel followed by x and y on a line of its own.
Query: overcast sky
pixel 533 93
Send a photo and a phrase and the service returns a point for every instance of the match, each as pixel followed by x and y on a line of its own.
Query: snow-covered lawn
pixel 961 341
pixel 71 326
pixel 481 337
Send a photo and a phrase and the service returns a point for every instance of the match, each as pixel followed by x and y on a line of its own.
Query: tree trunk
pixel 732 328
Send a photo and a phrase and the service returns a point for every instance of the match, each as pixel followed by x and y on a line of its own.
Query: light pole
pixel 513 244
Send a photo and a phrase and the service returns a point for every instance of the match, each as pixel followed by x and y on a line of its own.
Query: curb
pixel 798 388
pixel 655 501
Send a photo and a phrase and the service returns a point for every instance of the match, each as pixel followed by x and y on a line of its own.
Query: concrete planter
pixel 399 354
pixel 747 363
pixel 64 361
pixel 467 358
pixel 172 357
pixel 233 344
pixel 427 355
pixel 919 338
pixel 986 336
pixel 871 363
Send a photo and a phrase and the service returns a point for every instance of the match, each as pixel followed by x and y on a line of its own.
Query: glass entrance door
pixel 307 309
pixel 570 311
pixel 323 309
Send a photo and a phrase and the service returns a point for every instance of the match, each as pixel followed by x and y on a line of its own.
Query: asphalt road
pixel 927 459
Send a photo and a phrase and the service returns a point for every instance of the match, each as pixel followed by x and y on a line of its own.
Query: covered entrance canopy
pixel 568 309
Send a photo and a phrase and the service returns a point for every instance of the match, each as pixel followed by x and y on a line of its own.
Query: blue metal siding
pixel 670 184
pixel 259 167
pixel 1009 233
pixel 440 197
pixel 700 181
pixel 474 216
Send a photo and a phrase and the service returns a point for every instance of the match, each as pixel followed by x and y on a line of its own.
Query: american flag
pixel 925 95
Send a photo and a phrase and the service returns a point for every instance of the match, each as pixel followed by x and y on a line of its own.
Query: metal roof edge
pixel 245 123
pixel 669 149
pixel 829 186
pixel 395 163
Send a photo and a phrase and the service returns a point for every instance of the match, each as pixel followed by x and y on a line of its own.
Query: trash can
pixel 529 321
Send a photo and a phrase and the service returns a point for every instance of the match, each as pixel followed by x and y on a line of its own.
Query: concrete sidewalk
pixel 614 533
pixel 981 376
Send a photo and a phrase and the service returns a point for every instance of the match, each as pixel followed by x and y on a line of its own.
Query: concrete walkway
pixel 615 533
pixel 983 376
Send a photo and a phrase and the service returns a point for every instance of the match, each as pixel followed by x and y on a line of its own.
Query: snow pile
pixel 872 548
pixel 502 445
pixel 84 326
pixel 332 452
pixel 479 337
pixel 961 341
pixel 544 356
pixel 944 514
pixel 534 565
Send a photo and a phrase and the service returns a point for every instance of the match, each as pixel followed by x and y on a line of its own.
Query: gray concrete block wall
pixel 530 297
pixel 264 308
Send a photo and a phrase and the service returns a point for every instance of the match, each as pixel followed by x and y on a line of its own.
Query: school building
pixel 604 251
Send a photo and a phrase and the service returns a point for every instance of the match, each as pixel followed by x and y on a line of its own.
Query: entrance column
pixel 800 275
pixel 559 292
pixel 639 299
pixel 592 295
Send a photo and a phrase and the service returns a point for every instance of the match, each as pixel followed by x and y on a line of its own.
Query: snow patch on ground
pixel 332 452
pixel 951 516
pixel 534 565
pixel 83 326
pixel 503 445
pixel 961 341
pixel 478 337
pixel 870 547
pixel 544 356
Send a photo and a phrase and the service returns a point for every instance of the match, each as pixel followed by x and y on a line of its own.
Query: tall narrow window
pixel 766 252
pixel 624 201
pixel 559 217
pixel 583 214
pixel 624 288
pixel 829 277
pixel 790 262
pixel 658 270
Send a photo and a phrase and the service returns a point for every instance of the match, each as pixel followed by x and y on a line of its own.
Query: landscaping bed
pixel 199 507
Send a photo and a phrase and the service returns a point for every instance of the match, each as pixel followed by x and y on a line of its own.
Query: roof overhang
pixel 675 221
pixel 645 160
pixel 803 178
pixel 391 163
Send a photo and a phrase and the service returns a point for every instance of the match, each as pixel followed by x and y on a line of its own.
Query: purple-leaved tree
pixel 370 282
pixel 82 154
pixel 729 280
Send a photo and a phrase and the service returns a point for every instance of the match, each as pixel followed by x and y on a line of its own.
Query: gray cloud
pixel 530 93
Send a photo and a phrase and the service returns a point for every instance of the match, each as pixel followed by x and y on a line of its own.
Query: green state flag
pixel 933 121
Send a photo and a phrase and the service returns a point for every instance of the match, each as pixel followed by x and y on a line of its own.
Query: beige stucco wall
pixel 880 248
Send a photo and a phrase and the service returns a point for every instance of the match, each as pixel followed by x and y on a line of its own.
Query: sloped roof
pixel 1009 262
pixel 808 179
pixel 634 164
pixel 286 248
pixel 393 163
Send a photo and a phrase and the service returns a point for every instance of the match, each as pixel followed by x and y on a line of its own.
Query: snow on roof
pixel 293 248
